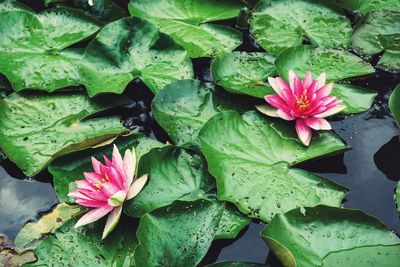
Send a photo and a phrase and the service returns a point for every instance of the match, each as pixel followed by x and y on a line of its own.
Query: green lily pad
pixel 338 65
pixel 244 73
pixel 174 174
pixel 183 107
pixel 394 104
pixel 32 47
pixel 186 23
pixel 365 6
pixel 10 5
pixel 397 197
pixel 235 264
pixel 70 168
pixel 147 54
pixel 277 25
pixel 379 32
pixel 184 245
pixel 251 157
pixel 349 238
pixel 83 246
pixel 37 128
pixel 231 224
pixel 48 223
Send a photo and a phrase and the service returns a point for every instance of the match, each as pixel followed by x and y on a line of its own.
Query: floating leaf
pixel 47 223
pixel 379 32
pixel 250 157
pixel 132 48
pixel 397 197
pixel 186 23
pixel 235 264
pixel 36 128
pixel 174 174
pixel 328 236
pixel 32 47
pixel 183 232
pixel 13 257
pixel 83 246
pixel 10 5
pixel 70 168
pixel 365 6
pixel 244 73
pixel 232 222
pixel 338 65
pixel 277 25
pixel 183 107
pixel 394 104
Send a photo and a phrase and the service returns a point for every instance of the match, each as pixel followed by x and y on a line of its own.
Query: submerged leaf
pixel 251 157
pixel 37 128
pixel 186 22
pixel 349 238
pixel 13 257
pixel 280 24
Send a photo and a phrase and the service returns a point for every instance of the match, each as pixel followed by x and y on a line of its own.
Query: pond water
pixel 370 170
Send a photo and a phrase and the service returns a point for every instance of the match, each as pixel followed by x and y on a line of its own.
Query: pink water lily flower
pixel 107 188
pixel 307 102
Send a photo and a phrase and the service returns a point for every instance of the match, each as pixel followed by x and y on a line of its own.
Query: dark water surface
pixel 370 170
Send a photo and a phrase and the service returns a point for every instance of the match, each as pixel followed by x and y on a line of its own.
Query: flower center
pixel 302 102
pixel 103 180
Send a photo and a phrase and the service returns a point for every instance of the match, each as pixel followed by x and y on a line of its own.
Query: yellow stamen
pixel 98 186
pixel 302 102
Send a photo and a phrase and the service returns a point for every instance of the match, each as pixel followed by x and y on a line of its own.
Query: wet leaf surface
pixel 232 222
pixel 186 22
pixel 13 257
pixel 277 25
pixel 365 6
pixel 350 238
pixel 36 128
pixel 394 104
pixel 250 157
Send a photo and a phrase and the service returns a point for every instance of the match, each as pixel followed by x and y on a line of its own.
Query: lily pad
pixel 183 107
pixel 397 197
pixel 277 25
pixel 14 257
pixel 379 32
pixel 147 54
pixel 365 6
pixel 244 73
pixel 48 223
pixel 338 65
pixel 394 104
pixel 251 157
pixel 83 246
pixel 9 5
pixel 231 223
pixel 37 128
pixel 70 168
pixel 32 47
pixel 349 238
pixel 185 245
pixel 186 23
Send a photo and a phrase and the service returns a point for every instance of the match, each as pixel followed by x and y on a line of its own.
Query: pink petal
pixel 93 216
pixel 129 166
pixel 117 199
pixel 83 184
pixel 321 80
pixel 276 101
pixel 117 177
pixel 96 165
pixel 292 76
pixel 112 221
pixel 331 111
pixel 303 132
pixel 117 159
pixel 274 85
pixel 137 186
pixel 267 110
pixel 317 124
pixel 91 203
pixel 107 161
pixel 298 86
pixel 92 177
pixel 307 80
pixel 325 90
pixel 286 116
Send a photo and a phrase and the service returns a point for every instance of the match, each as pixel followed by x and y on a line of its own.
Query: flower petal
pixel 112 221
pixel 276 101
pixel 321 80
pixel 331 111
pixel 317 124
pixel 129 167
pixel 274 85
pixel 137 186
pixel 93 216
pixel 117 158
pixel 286 116
pixel 307 80
pixel 267 110
pixel 303 132
pixel 117 199
pixel 325 90
pixel 292 76
pixel 96 165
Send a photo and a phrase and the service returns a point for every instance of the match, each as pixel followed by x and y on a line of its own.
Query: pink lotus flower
pixel 107 188
pixel 307 102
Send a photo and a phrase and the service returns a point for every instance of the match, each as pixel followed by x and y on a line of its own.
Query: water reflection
pixel 387 159
pixel 21 201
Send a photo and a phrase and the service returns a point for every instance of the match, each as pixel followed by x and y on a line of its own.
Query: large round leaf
pixel 70 168
pixel 183 107
pixel 377 32
pixel 36 128
pixel 365 6
pixel 69 246
pixel 250 157
pixel 394 104
pixel 179 234
pixel 328 236
pixel 132 48
pixel 31 47
pixel 338 65
pixel 244 73
pixel 8 5
pixel 185 22
pixel 279 24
